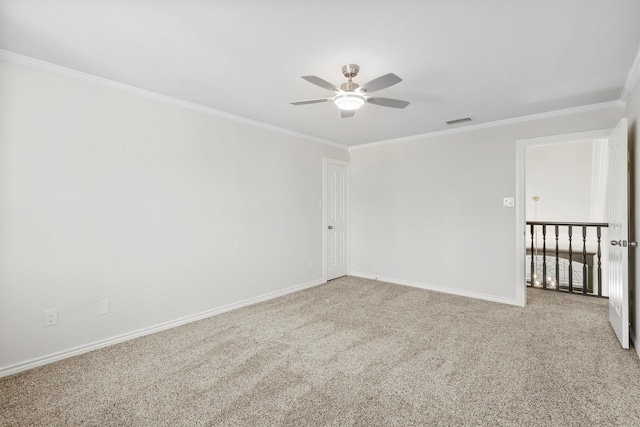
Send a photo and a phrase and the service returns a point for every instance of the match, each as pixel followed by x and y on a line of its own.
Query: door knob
pixel 330 227
pixel 623 243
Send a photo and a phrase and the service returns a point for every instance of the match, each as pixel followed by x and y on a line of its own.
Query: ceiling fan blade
pixel 322 83
pixel 381 82
pixel 311 101
pixel 389 102
pixel 347 113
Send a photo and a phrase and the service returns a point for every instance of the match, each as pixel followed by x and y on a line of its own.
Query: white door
pixel 336 215
pixel 619 233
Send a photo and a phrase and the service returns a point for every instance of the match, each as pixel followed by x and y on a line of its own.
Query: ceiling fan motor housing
pixel 349 86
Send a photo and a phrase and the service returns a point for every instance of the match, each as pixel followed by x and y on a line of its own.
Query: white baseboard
pixel 437 288
pixel 54 357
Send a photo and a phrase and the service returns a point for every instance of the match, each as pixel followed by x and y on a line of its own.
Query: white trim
pixel 632 79
pixel 558 113
pixel 326 161
pixel 437 288
pixel 90 78
pixel 599 173
pixel 54 357
pixel 521 203
pixel 100 81
pixel 521 226
pixel 568 138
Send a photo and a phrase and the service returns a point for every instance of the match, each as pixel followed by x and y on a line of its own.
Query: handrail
pixel 587 224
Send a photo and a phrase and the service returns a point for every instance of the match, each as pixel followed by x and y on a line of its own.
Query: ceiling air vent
pixel 456 121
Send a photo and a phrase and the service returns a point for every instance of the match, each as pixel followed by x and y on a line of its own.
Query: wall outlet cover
pixel 50 317
pixel 103 307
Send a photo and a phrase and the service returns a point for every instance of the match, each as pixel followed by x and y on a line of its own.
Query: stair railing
pixel 569 266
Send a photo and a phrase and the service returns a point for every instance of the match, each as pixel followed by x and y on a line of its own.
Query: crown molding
pixel 632 79
pixel 522 119
pixel 93 79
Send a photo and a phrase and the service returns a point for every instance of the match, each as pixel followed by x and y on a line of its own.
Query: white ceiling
pixel 487 59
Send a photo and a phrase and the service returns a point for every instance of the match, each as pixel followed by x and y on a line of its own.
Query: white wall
pixel 437 202
pixel 566 179
pixel 165 211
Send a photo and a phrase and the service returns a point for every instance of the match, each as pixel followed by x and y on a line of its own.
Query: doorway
pixel 618 215
pixel 567 232
pixel 529 204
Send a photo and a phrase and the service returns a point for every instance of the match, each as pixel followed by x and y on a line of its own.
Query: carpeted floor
pixel 350 352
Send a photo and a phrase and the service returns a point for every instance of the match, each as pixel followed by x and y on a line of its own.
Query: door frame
pixel 326 161
pixel 521 202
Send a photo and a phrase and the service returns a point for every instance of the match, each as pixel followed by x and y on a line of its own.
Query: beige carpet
pixel 351 352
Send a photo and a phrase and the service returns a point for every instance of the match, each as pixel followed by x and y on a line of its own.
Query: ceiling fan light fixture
pixel 350 96
pixel 349 101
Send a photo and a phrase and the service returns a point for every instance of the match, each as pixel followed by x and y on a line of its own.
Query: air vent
pixel 456 121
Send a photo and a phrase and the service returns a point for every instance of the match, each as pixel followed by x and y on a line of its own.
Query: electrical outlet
pixel 50 317
pixel 311 263
pixel 103 307
pixel 433 265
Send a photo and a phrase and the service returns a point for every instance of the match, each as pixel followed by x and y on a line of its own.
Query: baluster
pixel 599 263
pixel 584 260
pixel 557 259
pixel 533 271
pixel 544 256
pixel 570 260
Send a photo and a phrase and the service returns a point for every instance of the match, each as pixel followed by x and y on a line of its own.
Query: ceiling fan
pixel 350 96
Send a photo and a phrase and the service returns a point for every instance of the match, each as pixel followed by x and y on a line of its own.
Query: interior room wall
pixel 165 211
pixel 429 212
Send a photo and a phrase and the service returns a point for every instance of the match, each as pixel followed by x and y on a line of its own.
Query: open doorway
pixel 617 198
pixel 561 180
pixel 567 232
